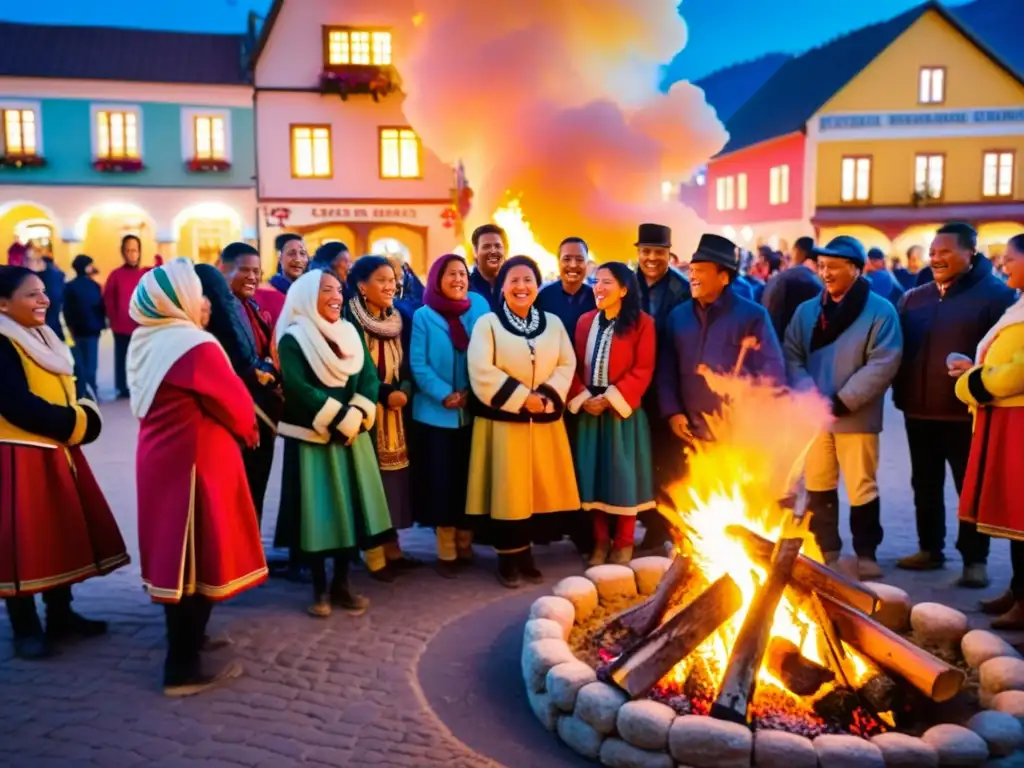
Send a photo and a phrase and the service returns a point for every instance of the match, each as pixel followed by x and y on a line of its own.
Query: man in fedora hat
pixel 703 332
pixel 847 345
pixel 662 289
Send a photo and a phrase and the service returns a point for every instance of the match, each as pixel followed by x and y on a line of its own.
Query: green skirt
pixel 613 462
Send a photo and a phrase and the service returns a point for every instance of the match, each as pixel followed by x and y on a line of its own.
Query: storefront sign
pixel 916 119
pixel 374 213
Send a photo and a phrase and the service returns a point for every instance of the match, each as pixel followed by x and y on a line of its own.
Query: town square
pixel 583 392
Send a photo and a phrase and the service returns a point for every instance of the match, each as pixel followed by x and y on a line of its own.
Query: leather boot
pixel 528 568
pixel 508 574
pixel 997 606
pixel 1012 619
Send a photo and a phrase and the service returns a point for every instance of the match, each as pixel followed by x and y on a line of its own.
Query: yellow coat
pixel 999 381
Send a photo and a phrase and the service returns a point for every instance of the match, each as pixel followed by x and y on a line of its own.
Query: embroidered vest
pixel 51 387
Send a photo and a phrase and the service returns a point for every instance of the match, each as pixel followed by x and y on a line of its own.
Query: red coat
pixel 630 365
pixel 197 523
pixel 271 301
pixel 117 295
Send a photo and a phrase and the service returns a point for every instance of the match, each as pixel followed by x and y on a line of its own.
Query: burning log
pixel 644 618
pixel 881 692
pixel 929 674
pixel 809 574
pixel 799 674
pixel 642 666
pixel 737 687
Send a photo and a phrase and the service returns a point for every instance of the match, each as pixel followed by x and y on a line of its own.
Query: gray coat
pixel 858 367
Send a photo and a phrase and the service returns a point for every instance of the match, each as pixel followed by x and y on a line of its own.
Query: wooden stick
pixel 644 618
pixel 809 574
pixel 935 678
pixel 641 667
pixel 738 685
pixel 800 675
pixel 841 663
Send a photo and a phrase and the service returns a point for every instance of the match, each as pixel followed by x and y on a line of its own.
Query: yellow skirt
pixel 517 470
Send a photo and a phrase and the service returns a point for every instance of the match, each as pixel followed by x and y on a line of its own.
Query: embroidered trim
pixel 602 353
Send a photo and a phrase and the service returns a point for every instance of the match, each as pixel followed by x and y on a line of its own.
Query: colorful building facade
pixel 121 132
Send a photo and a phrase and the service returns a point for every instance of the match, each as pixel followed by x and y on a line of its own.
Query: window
pixel 399 153
pixel 725 193
pixel 357 46
pixel 928 173
pixel 997 174
pixel 931 85
pixel 210 138
pixel 20 132
pixel 311 151
pixel 741 191
pixel 778 190
pixel 117 134
pixel 856 181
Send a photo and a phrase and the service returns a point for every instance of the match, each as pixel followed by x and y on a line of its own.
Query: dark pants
pixel 318 570
pixel 258 462
pixel 865 523
pixel 22 611
pixel 1017 559
pixel 186 627
pixel 669 468
pixel 120 359
pixel 933 444
pixel 87 350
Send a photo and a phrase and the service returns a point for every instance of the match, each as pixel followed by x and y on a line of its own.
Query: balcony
pixel 367 79
pixel 207 165
pixel 18 160
pixel 118 164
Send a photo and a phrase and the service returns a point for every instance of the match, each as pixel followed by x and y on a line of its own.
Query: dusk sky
pixel 722 32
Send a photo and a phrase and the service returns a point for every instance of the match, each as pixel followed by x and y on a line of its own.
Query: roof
pixel 113 53
pixel 260 38
pixel 801 86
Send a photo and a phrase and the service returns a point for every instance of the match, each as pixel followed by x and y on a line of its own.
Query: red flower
pixel 118 164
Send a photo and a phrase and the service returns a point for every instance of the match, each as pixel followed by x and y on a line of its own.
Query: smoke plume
pixel 558 100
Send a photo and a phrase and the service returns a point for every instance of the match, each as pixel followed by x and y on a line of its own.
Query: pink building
pixel 336 158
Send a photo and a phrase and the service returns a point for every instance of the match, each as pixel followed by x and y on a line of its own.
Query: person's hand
pixel 453 401
pixel 680 427
pixel 534 403
pixel 958 368
pixel 397 400
pixel 595 406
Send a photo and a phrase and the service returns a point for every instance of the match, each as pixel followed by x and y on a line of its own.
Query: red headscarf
pixel 450 309
pixel 16 255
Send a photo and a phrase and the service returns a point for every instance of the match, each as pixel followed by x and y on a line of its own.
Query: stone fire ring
pixel 598 721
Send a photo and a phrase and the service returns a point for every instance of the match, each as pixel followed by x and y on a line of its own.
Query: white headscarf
pixel 301 320
pixel 168 306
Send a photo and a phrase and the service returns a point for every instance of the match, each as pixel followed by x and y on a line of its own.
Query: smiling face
pixel 520 289
pixel 341 265
pixel 608 292
pixel 294 259
pixel 1013 265
pixel 378 291
pixel 329 300
pixel 490 255
pixel 572 265
pixel 838 275
pixel 243 275
pixel 454 280
pixel 707 281
pixel 653 262
pixel 948 259
pixel 27 306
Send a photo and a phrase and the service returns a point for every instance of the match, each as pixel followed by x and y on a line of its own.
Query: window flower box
pixel 207 165
pixel 118 164
pixel 22 161
pixel 368 79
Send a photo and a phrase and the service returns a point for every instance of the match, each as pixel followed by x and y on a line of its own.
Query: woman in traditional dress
pixel 615 355
pixel 56 528
pixel 372 288
pixel 199 541
pixel 521 365
pixel 331 490
pixel 994 388
pixel 292 261
pixel 442 427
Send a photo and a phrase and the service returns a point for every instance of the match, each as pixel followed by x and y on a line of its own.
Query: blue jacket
pixel 712 337
pixel 437 368
pixel 857 367
pixel 84 310
pixel 885 285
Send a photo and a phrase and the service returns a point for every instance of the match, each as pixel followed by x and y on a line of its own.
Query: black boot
pixel 341 591
pixel 528 568
pixel 508 574
pixel 823 506
pixel 62 623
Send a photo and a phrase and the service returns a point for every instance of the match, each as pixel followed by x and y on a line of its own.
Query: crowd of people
pixel 483 405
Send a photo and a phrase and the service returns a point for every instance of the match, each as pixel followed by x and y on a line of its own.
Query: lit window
pixel 666 191
pixel 19 132
pixel 856 182
pixel 725 193
pixel 778 187
pixel 311 151
pixel 210 138
pixel 741 191
pixel 997 179
pixel 928 173
pixel 399 153
pixel 117 135
pixel 931 85
pixel 355 46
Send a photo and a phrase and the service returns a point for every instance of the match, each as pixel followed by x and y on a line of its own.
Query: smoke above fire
pixel 557 102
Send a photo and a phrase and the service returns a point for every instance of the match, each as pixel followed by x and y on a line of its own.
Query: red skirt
pixel 991 496
pixel 56 527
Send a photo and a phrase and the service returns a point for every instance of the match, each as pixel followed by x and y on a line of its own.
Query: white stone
pixel 542 629
pixel 956 745
pixel 1002 674
pixel 894 610
pixel 979 645
pixel 702 742
pixel 543 708
pixel 649 572
pixel 1010 702
pixel 564 682
pixel 902 751
pixel 616 753
pixel 938 624
pixel 645 724
pixel 613 582
pixel 778 749
pixel 540 656
pixel 581 593
pixel 1001 731
pixel 837 751
pixel 555 608
pixel 580 736
pixel 598 704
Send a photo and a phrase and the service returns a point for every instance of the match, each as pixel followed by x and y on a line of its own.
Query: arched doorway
pixel 100 231
pixel 389 246
pixel 409 241
pixel 330 233
pixel 918 234
pixel 26 222
pixel 203 230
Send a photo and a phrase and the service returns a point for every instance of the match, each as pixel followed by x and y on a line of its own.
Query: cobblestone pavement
pixel 338 692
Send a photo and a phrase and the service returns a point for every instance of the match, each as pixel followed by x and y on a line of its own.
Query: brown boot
pixel 997 606
pixel 1012 619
